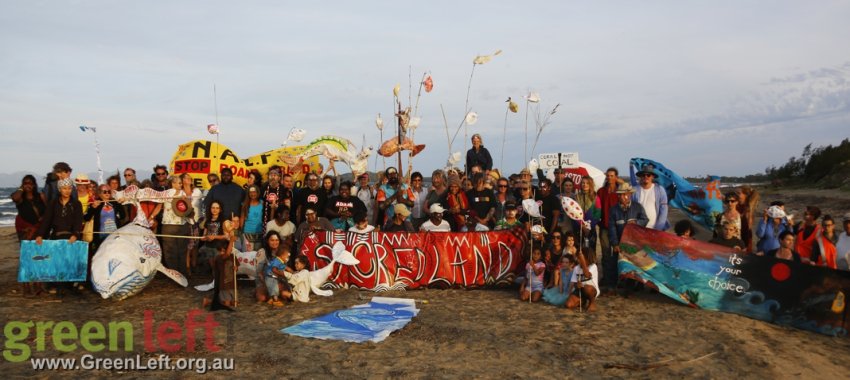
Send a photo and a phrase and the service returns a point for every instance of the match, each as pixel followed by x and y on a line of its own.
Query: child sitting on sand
pixel 562 287
pixel 533 285
pixel 300 280
pixel 585 279
pixel 275 273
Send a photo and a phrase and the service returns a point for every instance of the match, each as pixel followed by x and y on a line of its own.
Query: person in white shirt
pixel 436 222
pixel 653 198
pixel 361 224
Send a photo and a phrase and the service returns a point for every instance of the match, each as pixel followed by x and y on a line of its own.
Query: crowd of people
pixel 273 217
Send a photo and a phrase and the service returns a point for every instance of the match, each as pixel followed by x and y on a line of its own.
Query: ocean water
pixel 7 207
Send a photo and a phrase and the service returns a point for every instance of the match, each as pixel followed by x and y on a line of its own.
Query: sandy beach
pixel 458 333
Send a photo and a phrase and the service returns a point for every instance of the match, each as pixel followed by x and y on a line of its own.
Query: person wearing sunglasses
pixel 503 196
pixel 159 178
pixel 653 199
pixel 730 216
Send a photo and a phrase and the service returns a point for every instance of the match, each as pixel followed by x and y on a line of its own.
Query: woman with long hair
pixel 252 219
pixel 748 200
pixel 272 244
pixel 591 205
pixel 31 205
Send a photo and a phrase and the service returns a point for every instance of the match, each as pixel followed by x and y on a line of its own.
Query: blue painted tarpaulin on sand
pixel 53 261
pixel 373 321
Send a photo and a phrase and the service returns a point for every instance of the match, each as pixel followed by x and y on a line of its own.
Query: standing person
pixel 342 208
pixel 550 206
pixel 770 227
pixel 482 204
pixel 273 193
pixel 85 194
pixel 437 189
pixel 567 188
pixel 621 214
pixel 419 212
pixel 589 202
pixel 108 216
pixel 560 178
pixel 31 205
pixel 807 232
pixel 392 193
pixel 175 223
pixel 730 215
pixel 252 219
pixel 63 218
pixel 311 196
pixel 653 198
pixel 194 219
pixel 130 178
pixel 366 194
pixel 329 186
pixel 829 229
pixel 61 170
pixel 842 248
pixel 289 195
pixel 502 197
pixel 748 200
pixel 159 178
pixel 400 222
pixel 114 182
pixel 478 155
pixel 607 197
pixel 255 178
pixel 436 223
pixel 229 194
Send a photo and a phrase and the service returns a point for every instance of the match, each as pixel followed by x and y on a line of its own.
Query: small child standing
pixel 532 287
pixel 275 273
pixel 300 280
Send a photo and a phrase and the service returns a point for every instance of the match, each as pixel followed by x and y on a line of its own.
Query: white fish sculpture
pixel 531 208
pixel 129 258
pixel 318 277
pixel 127 261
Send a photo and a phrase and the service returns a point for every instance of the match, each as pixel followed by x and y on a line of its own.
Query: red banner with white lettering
pixel 402 260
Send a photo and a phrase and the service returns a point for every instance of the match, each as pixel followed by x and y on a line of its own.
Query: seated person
pixel 435 223
pixel 585 282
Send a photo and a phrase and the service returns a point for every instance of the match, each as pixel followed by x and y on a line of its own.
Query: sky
pixel 721 87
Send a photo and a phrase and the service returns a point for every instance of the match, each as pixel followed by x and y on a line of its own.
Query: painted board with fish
pixel 53 261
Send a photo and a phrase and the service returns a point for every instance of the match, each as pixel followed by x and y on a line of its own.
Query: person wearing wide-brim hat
pixel 653 198
pixel 435 222
pixel 626 211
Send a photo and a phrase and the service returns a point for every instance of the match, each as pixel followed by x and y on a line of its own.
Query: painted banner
pixel 201 157
pixel 371 322
pixel 701 205
pixel 402 260
pixel 714 277
pixel 53 261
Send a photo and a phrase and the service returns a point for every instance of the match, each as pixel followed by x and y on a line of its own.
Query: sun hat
pixel 625 188
pixel 647 169
pixel 82 179
pixel 436 208
pixel 181 207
